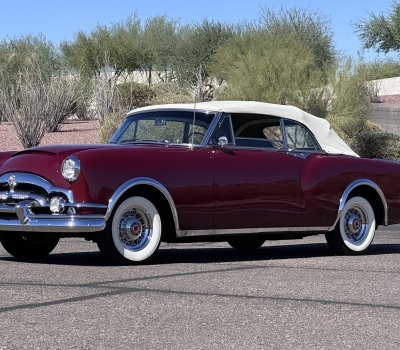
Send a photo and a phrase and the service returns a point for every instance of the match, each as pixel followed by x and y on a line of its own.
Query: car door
pixel 256 181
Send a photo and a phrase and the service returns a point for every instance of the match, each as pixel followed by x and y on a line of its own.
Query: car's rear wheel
pixel 28 245
pixel 355 229
pixel 246 245
pixel 133 232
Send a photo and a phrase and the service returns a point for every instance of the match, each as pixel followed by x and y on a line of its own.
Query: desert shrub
pixel 377 145
pixel 106 98
pixel 372 127
pixel 349 107
pixel 110 125
pixel 82 104
pixel 169 98
pixel 168 87
pixel 134 95
pixel 280 69
pixel 166 93
pixel 35 103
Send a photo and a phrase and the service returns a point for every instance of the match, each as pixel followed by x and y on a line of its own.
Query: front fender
pixel 4 156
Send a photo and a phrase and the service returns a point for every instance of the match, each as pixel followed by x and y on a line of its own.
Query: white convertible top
pixel 329 141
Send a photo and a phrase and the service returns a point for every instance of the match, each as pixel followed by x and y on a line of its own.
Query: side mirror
pixel 222 141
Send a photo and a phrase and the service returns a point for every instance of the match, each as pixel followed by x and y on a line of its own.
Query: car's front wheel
pixel 355 229
pixel 133 232
pixel 29 245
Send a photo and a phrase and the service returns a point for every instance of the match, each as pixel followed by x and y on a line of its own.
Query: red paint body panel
pixel 186 174
pixel 325 178
pixel 4 156
pixel 256 188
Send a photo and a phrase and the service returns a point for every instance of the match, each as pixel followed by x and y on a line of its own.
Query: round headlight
pixel 71 168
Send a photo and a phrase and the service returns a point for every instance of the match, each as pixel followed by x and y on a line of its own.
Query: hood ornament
pixel 12 183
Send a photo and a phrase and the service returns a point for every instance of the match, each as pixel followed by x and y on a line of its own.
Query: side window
pixel 298 136
pixel 224 129
pixel 259 131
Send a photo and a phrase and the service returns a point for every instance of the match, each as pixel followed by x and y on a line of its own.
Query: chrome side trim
pixel 351 187
pixel 188 233
pixel 142 181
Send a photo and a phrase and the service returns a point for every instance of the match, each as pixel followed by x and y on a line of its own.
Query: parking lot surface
pixel 285 295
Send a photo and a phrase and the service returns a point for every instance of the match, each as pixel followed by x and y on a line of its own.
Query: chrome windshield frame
pixel 206 138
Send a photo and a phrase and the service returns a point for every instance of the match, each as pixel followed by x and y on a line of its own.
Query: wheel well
pixel 161 203
pixel 373 198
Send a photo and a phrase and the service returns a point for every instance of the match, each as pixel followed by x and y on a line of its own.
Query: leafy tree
pixel 380 32
pixel 18 54
pixel 275 69
pixel 379 69
pixel 116 47
pixel 309 27
pixel 197 44
pixel 158 47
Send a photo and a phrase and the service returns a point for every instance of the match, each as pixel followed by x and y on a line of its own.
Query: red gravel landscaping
pixel 391 99
pixel 70 132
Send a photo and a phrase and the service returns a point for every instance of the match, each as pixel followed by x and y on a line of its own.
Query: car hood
pixel 60 150
pixel 44 161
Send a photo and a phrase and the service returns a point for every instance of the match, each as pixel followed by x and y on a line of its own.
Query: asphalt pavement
pixel 285 295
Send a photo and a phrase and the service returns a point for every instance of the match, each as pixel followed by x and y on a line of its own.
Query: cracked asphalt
pixel 285 295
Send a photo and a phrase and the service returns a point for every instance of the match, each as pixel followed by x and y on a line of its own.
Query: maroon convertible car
pixel 241 172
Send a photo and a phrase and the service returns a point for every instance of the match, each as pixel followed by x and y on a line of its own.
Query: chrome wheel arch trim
pixel 142 181
pixel 350 188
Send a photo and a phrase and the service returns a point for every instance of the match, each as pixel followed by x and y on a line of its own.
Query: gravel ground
pixel 70 132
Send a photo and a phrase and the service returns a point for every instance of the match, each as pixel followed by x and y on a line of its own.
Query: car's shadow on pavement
pixel 207 255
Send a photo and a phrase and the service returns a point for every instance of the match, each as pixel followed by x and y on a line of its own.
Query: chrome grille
pixel 18 187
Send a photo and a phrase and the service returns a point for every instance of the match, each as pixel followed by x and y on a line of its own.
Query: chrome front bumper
pixel 17 207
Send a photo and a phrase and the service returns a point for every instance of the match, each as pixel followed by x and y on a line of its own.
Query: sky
pixel 59 20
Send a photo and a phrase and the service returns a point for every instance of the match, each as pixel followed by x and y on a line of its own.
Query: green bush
pixel 377 145
pixel 134 95
pixel 110 125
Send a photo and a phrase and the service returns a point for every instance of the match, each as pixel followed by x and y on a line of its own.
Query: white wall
pixel 390 86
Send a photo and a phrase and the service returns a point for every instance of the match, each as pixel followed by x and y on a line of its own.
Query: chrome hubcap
pixel 356 223
pixel 134 228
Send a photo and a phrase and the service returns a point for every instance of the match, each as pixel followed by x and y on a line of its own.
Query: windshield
pixel 164 126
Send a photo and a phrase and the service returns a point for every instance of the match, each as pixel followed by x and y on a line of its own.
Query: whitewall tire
pixel 133 231
pixel 355 229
